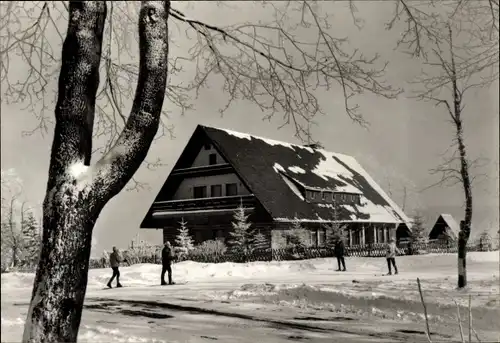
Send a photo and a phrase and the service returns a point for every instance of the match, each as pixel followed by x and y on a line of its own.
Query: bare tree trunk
pixel 465 226
pixel 77 192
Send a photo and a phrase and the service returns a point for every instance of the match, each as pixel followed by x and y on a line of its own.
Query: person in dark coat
pixel 167 255
pixel 339 253
pixel 114 261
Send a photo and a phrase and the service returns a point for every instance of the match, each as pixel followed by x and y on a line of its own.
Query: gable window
pixel 199 192
pixel 212 159
pixel 216 190
pixel 231 189
pixel 206 146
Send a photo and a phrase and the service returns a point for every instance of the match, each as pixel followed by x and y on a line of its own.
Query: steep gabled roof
pixel 453 226
pixel 266 164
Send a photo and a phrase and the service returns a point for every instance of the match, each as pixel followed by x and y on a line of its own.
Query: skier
pixel 114 261
pixel 167 255
pixel 392 250
pixel 339 253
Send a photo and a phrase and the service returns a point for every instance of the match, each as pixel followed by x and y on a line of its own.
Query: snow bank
pixel 442 265
pixel 102 334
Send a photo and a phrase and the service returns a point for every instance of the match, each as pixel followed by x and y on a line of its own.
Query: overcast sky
pixel 406 137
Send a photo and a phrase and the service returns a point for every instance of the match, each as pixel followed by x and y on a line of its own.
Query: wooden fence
pixel 301 253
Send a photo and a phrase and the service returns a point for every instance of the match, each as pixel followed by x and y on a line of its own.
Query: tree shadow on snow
pixel 273 323
pixel 112 307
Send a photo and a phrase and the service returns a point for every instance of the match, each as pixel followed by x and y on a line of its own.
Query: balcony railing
pixel 203 170
pixel 226 202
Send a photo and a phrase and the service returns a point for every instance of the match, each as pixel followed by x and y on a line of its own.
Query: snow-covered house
pixel 445 228
pixel 276 182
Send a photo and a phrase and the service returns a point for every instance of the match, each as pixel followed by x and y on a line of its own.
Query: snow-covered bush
pixel 211 247
pixel 141 252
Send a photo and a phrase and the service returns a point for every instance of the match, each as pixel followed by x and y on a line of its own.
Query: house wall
pixel 185 190
pixel 202 159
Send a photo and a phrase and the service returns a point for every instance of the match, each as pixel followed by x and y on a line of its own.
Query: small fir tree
pixel 184 240
pixel 240 236
pixel 297 236
pixel 32 240
pixel 418 230
pixel 335 231
pixel 260 241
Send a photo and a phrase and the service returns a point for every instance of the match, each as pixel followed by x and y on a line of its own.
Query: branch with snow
pixel 78 82
pixel 118 166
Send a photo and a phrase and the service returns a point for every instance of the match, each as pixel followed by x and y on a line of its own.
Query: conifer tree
pixel 260 241
pixel 184 240
pixel 32 239
pixel 240 236
pixel 297 235
pixel 418 230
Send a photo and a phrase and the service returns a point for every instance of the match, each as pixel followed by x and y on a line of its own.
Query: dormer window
pixel 212 159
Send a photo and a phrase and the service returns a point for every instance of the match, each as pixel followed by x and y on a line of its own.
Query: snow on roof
pixel 270 168
pixel 452 224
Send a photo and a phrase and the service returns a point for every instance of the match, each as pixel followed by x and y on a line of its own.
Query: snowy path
pixel 268 302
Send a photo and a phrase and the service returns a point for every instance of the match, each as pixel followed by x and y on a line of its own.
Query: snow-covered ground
pixel 278 301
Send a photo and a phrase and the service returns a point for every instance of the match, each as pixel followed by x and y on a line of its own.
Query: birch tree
pixel 459 45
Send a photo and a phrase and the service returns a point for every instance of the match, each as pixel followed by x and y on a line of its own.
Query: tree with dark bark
pixel 77 191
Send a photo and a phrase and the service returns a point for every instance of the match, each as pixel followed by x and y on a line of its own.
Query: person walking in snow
pixel 339 251
pixel 114 261
pixel 391 252
pixel 167 255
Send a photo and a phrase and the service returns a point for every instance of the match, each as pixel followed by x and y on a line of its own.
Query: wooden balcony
pixel 214 169
pixel 215 203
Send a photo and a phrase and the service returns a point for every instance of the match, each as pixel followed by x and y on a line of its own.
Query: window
pixel 200 192
pixel 327 196
pixel 322 237
pixel 231 189
pixel 216 190
pixel 212 159
pixel 312 194
pixel 218 235
pixel 198 236
pixel 313 238
pixel 206 146
pixel 323 195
